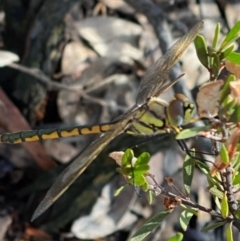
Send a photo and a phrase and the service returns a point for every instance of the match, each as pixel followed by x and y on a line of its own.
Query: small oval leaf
pixel 185 218
pixel 224 154
pixel 213 225
pixel 217 202
pixel 216 35
pixel 226 89
pixel 143 159
pixel 176 237
pixel 224 206
pixel 227 52
pixel 192 132
pixel 127 157
pixel 188 170
pixel 232 35
pixel 216 192
pixel 234 57
pixel 236 179
pixel 202 52
pixel 216 65
pixel 119 190
pixel 145 186
pixel 150 197
pixel 147 228
pixel 229 233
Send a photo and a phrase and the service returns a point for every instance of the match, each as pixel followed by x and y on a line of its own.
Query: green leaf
pixel 229 233
pixel 125 170
pixel 211 51
pixel 147 228
pixel 238 147
pixel 202 52
pixel 119 190
pixel 227 52
pixel 150 197
pixel 145 186
pixel 216 65
pixel 185 219
pixel 203 167
pixel 213 182
pixel 231 109
pixel 226 90
pixel 216 192
pixel 176 237
pixel 134 172
pixel 236 162
pixel 188 170
pixel 216 35
pixel 236 179
pixel 232 35
pixel 206 171
pixel 237 213
pixel 191 132
pixel 141 170
pixel 235 116
pixel 143 159
pixel 127 158
pixel 138 180
pixel 224 154
pixel 213 225
pixel 217 202
pixel 224 206
pixel 234 57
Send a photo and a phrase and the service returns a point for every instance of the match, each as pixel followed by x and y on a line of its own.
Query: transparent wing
pixel 73 171
pixel 152 82
pixel 151 85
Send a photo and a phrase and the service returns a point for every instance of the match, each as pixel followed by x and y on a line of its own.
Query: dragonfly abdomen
pixel 36 135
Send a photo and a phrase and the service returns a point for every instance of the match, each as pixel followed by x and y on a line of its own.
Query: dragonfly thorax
pixel 157 116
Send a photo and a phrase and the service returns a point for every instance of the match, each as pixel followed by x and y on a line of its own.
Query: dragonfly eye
pixel 180 110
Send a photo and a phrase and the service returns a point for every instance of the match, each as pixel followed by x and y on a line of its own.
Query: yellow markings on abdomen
pixel 72 132
pixel 95 129
pixel 36 135
pixel 29 139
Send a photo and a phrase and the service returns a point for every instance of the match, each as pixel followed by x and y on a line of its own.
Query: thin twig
pixel 52 85
pixel 228 187
pixel 185 201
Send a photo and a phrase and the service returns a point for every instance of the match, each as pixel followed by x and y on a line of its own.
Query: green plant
pixel 221 120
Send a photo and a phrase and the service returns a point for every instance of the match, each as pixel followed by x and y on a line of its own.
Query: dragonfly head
pixel 180 110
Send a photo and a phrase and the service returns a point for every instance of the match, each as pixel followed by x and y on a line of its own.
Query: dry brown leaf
pixel 208 98
pixel 231 149
pixel 235 90
pixel 74 54
pixel 31 232
pixel 111 36
pixel 61 151
pixel 18 123
pixel 233 68
pixel 119 5
pixel 117 156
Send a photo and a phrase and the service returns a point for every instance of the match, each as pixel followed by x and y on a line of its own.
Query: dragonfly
pixel 150 115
